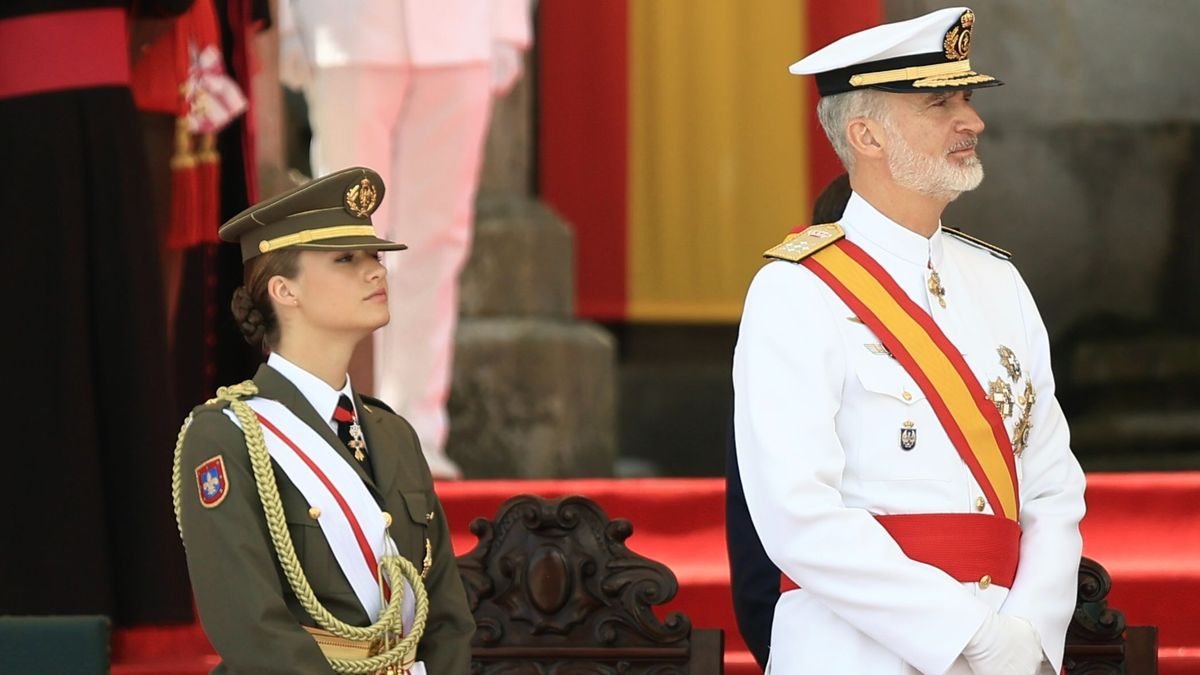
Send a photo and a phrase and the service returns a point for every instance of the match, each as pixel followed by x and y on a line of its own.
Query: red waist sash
pixel 969 547
pixel 55 51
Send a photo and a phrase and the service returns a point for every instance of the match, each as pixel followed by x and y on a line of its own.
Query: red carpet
pixel 1144 528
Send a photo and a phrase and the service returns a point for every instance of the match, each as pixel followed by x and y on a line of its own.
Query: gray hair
pixel 835 112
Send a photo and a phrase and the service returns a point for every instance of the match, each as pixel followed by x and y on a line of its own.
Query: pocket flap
pixel 883 375
pixel 417 505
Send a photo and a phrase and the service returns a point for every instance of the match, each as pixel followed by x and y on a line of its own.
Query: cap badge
pixel 958 39
pixel 362 198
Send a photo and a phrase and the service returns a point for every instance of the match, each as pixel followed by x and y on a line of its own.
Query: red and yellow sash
pixel 970 419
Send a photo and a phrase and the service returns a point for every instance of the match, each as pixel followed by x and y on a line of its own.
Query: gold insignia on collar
pixel 957 43
pixel 362 198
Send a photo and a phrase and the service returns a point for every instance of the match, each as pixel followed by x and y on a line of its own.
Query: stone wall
pixel 1090 151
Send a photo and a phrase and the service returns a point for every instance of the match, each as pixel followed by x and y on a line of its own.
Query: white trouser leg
pixel 353 112
pixel 437 153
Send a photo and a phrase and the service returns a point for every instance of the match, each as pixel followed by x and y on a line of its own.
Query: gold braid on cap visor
pixel 937 70
pixel 309 236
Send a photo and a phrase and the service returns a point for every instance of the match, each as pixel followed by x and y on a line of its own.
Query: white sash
pixel 350 517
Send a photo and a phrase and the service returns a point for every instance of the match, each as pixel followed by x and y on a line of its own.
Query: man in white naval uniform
pixel 406 87
pixel 833 432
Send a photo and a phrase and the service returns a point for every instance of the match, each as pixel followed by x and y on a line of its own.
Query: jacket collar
pixel 385 459
pixel 274 385
pixel 864 222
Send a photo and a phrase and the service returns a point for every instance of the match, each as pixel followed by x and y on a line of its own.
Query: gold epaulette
pixel 990 248
pixel 799 245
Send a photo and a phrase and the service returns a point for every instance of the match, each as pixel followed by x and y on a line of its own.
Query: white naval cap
pixel 928 53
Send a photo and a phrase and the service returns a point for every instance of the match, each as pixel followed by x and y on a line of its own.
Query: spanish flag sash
pixel 971 421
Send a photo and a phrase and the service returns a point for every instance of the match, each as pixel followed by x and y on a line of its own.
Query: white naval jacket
pixel 422 33
pixel 817 417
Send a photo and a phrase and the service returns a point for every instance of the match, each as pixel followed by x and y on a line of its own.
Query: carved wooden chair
pixel 555 590
pixel 1098 641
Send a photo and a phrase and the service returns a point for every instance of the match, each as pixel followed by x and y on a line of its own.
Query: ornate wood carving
pixel 555 591
pixel 1098 641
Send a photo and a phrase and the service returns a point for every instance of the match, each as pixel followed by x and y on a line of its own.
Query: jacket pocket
pixel 410 533
pixel 312 550
pixel 886 377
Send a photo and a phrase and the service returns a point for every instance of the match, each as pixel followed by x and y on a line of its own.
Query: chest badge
pixel 1021 431
pixel 908 436
pixel 1001 395
pixel 936 288
pixel 1009 360
pixel 212 482
pixel 878 349
pixel 356 441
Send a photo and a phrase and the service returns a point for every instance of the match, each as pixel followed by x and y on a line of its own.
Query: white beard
pixel 937 177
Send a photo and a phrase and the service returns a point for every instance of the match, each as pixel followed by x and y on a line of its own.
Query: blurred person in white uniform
pixel 904 459
pixel 406 86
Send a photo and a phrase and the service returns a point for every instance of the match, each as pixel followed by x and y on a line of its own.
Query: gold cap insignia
pixel 958 39
pixel 362 198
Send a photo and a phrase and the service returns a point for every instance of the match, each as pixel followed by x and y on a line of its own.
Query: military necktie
pixel 349 431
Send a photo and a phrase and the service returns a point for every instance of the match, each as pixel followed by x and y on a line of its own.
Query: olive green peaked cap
pixel 330 212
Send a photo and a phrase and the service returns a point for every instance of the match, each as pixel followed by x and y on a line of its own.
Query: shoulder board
pixel 212 404
pixel 799 245
pixel 372 401
pixel 990 248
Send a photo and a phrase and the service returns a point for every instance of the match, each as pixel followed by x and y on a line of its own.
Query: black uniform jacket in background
pixel 753 578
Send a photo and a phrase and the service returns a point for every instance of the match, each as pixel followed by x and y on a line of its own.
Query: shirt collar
pixel 865 221
pixel 321 396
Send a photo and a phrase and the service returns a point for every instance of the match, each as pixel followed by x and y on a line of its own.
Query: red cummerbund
pixel 966 546
pixel 55 51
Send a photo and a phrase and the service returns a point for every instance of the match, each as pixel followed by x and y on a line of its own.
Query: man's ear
pixel 282 291
pixel 866 136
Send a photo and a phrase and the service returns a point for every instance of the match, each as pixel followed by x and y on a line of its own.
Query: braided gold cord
pixel 394 568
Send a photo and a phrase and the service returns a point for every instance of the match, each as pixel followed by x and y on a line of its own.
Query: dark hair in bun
pixel 251 303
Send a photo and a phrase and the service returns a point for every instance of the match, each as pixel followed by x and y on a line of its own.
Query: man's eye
pixel 345 257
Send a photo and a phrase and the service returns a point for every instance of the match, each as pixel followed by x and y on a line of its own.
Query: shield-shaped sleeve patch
pixel 212 482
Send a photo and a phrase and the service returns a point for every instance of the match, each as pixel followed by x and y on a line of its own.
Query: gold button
pixel 980 503
pixel 314 513
pixel 985 582
pixel 907 396
pixel 387 519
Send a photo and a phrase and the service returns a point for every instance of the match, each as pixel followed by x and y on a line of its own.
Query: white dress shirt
pixel 818 412
pixel 324 398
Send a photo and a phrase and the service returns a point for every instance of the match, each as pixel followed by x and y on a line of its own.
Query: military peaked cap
pixel 926 54
pixel 330 212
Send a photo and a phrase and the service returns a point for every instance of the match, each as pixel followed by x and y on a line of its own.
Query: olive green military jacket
pixel 246 605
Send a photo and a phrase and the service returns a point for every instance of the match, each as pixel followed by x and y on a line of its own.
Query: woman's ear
pixel 282 291
pixel 866 136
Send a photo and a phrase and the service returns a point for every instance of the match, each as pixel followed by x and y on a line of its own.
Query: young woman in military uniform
pixel 296 559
